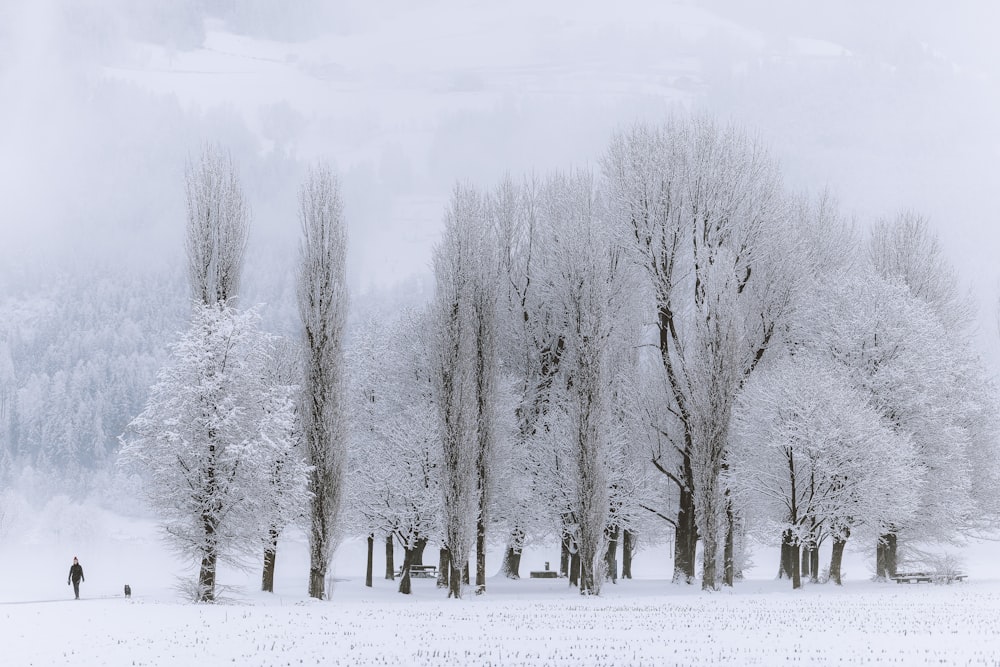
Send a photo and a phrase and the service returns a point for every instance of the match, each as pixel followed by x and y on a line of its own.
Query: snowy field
pixel 527 623
pixel 645 621
pixel 531 622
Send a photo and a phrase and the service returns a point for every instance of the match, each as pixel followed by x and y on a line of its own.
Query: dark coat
pixel 76 573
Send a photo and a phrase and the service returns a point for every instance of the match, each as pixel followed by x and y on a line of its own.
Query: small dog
pixel 128 591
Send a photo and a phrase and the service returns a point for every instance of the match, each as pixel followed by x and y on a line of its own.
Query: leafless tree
pixel 484 303
pixel 283 503
pixel 531 353
pixel 698 203
pixel 394 476
pixel 586 278
pixel 218 221
pixel 814 457
pixel 322 298
pixel 465 362
pixel 906 249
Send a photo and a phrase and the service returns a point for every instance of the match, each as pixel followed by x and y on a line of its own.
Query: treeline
pixel 672 343
pixel 76 362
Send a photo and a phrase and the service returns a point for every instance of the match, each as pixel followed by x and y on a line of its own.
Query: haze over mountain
pixel 891 107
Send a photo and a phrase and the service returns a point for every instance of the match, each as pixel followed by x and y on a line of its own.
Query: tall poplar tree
pixel 322 297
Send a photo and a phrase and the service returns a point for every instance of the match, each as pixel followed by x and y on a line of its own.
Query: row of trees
pixel 675 341
pixel 671 346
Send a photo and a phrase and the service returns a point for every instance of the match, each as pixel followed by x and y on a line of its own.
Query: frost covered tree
pixel 700 204
pixel 322 300
pixel 456 367
pixel 906 249
pixel 531 353
pixel 634 486
pixel 485 321
pixel 901 357
pixel 586 279
pixel 813 458
pixel 394 483
pixel 215 443
pixel 883 334
pixel 367 351
pixel 218 221
pixel 285 503
pixel 906 252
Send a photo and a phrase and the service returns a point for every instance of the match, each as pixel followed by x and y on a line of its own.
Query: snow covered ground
pixel 646 621
pixel 531 622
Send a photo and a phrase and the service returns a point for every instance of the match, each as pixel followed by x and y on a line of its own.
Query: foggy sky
pixel 890 105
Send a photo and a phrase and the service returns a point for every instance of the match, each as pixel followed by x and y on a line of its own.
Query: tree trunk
pixel 454 579
pixel 574 568
pixel 270 555
pixel 417 557
pixel 586 569
pixel 886 556
pixel 610 561
pixel 796 573
pixel 317 583
pixel 371 560
pixel 483 450
pixel 465 574
pixel 837 559
pixel 444 566
pixel 814 565
pixel 628 542
pixel 511 567
pixel 481 553
pixel 785 568
pixel 564 557
pixel 685 539
pixel 728 552
pixel 390 566
pixel 206 578
pixel 319 539
pixel 320 531
pixel 404 578
pixel 806 560
pixel 708 574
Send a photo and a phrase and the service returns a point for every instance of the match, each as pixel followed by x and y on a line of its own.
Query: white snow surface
pixel 644 621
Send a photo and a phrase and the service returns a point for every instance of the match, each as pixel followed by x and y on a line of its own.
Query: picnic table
pixel 544 574
pixel 918 577
pixel 421 571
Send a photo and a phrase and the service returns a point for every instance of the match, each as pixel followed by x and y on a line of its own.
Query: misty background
pixel 891 105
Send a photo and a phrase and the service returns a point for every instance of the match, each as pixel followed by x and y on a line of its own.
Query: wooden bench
pixel 421 571
pixel 918 577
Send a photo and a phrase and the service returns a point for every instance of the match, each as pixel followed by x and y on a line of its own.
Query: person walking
pixel 76 576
